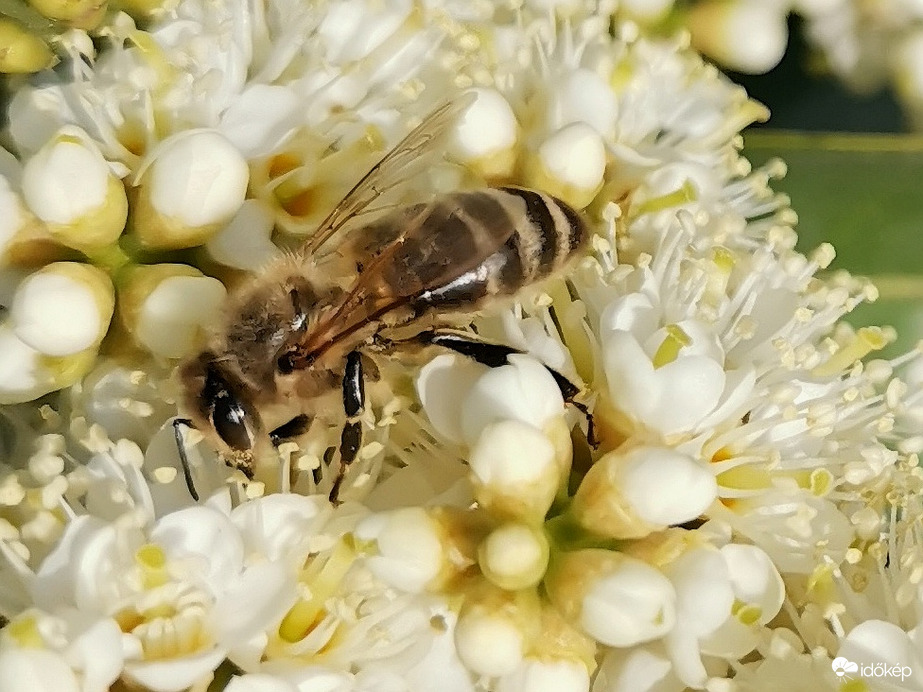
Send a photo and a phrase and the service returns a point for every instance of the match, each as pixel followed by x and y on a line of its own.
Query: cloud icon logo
pixel 841 666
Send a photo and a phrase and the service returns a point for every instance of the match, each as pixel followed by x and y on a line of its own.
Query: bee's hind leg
pixel 354 406
pixel 495 355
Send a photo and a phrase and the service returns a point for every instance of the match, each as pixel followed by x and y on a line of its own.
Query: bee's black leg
pixel 354 406
pixel 184 460
pixel 295 427
pixel 495 355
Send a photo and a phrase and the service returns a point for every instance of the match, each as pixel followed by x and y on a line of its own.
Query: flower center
pixel 669 349
pixel 321 578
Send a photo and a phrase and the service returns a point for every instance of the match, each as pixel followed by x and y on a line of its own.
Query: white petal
pixel 546 676
pixel 22 377
pixel 755 579
pixel 206 538
pixel 260 597
pixel 633 604
pixel 279 526
pixel 257 682
pixel 582 97
pixel 443 385
pixel 96 652
pixel 67 179
pixel 487 126
pixel 638 669
pixel 245 243
pixel 524 390
pixel 410 551
pixel 489 644
pixel 877 641
pixel 174 675
pixel 260 118
pixel 84 567
pixel 666 488
pixel 35 670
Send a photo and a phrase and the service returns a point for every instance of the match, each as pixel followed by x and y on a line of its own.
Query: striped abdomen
pixel 522 235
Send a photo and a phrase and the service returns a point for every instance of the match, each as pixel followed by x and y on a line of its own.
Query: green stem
pixel 565 534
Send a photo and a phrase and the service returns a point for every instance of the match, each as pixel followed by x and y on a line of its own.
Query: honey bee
pixel 298 332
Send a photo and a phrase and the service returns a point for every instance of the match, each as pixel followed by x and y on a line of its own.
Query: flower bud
pixel 414 549
pixel 494 630
pixel 569 165
pixel 168 307
pixel 70 186
pixel 616 599
pixel 514 556
pixel 80 14
pixel 22 52
pixel 22 237
pixel 23 376
pixel 485 138
pixel 63 309
pixel 745 35
pixel 539 675
pixel 647 489
pixel 187 189
pixel 513 470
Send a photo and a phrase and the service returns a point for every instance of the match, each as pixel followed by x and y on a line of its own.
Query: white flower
pixel 72 651
pixel 462 397
pixel 618 600
pixel 643 490
pixel 409 547
pixel 74 190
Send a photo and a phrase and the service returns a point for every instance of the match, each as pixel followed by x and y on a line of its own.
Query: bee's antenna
pixel 181 448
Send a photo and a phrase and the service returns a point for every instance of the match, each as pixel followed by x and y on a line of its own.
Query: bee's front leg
pixel 354 406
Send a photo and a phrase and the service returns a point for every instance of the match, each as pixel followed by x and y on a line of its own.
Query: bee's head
pixel 217 399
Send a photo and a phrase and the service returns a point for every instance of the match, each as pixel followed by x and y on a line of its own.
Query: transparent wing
pixel 436 244
pixel 389 172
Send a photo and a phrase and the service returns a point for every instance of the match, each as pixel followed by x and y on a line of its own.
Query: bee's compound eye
pixel 230 420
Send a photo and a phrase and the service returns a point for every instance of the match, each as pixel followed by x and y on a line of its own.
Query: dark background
pixel 801 100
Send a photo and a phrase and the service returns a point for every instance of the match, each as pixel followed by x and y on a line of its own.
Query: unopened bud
pixel 485 138
pixel 514 556
pixel 189 186
pixel 80 14
pixel 22 52
pixel 513 470
pixel 168 308
pixel 494 630
pixel 414 549
pixel 70 186
pixel 647 489
pixel 63 309
pixel 616 599
pixel 745 35
pixel 570 165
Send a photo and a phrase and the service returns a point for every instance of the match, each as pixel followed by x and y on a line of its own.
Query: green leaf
pixel 864 194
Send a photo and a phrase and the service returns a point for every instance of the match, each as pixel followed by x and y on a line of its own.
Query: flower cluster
pixel 725 497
